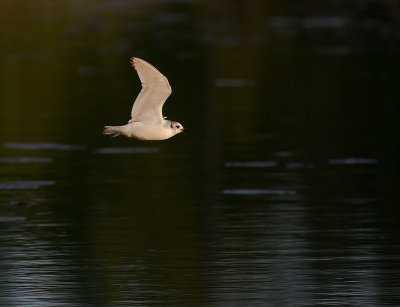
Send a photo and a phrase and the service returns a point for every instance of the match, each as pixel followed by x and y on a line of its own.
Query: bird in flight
pixel 147 122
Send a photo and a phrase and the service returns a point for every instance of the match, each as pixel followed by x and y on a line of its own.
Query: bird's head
pixel 176 127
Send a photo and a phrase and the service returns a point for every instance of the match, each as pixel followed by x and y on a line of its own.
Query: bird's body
pixel 142 130
pixel 147 122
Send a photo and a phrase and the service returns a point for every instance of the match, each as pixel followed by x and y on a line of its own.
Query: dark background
pixel 285 191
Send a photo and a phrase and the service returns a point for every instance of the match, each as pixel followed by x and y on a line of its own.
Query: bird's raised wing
pixel 155 90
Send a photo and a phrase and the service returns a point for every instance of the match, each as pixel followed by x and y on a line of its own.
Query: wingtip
pixel 132 61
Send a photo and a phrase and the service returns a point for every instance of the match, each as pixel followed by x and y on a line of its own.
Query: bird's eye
pixel 177 127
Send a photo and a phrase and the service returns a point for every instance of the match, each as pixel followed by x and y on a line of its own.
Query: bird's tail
pixel 111 130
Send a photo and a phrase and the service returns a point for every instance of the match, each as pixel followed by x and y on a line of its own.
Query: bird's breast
pixel 148 131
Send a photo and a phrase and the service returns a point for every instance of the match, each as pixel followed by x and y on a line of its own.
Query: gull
pixel 148 122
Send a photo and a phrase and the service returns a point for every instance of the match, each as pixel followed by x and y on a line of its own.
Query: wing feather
pixel 155 91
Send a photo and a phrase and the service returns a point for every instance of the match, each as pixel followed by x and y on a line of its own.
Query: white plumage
pixel 147 122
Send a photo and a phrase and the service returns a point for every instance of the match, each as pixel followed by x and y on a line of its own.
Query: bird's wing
pixel 155 90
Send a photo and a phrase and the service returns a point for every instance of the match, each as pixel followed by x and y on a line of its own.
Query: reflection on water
pixel 259 192
pixel 25 160
pixel 43 146
pixel 283 193
pixel 252 164
pixel 24 185
pixel 6 219
pixel 353 161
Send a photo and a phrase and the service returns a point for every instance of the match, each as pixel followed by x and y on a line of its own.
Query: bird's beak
pixel 185 130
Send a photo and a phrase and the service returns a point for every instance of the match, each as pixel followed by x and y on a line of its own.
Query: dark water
pixel 284 193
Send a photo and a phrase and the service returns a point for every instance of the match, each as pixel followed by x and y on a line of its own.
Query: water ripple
pixel 251 164
pixel 25 160
pixel 25 185
pixel 44 146
pixel 258 192
pixel 10 219
pixel 353 161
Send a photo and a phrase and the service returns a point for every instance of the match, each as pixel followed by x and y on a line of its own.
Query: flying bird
pixel 148 122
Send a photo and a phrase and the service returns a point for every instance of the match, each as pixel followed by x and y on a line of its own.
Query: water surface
pixel 284 193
